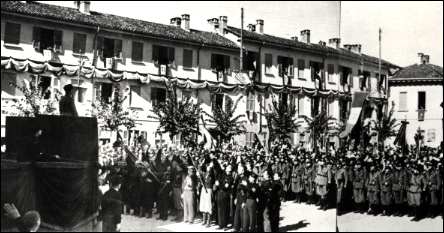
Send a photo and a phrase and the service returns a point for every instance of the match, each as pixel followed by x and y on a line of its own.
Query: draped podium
pixel 62 188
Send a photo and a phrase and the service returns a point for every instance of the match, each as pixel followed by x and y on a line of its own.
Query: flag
pixel 400 139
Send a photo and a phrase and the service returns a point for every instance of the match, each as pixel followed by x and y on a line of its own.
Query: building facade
pixel 417 92
pixel 55 46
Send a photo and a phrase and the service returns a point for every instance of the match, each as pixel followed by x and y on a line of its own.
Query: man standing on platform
pixel 67 107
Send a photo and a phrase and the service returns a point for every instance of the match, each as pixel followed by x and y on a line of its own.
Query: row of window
pixel 48 39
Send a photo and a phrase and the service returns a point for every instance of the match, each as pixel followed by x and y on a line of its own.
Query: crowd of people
pixel 394 182
pixel 234 187
pixel 243 187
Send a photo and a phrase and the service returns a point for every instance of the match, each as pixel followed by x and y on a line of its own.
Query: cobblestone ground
pixel 294 218
pixel 366 223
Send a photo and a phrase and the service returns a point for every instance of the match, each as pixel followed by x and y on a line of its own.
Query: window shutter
pixel 137 51
pixel 58 41
pixel 350 76
pixel 228 103
pixel 291 70
pixel 280 70
pixel 100 45
pixel 187 58
pixel 36 38
pixel 12 33
pixel 156 50
pixel 213 61
pixel 268 60
pixel 79 43
pixel 118 48
pixel 227 66
pixel 170 54
pixel 403 101
pixel 236 65
pixel 313 73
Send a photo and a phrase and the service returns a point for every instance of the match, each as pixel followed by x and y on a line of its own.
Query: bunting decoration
pixel 58 69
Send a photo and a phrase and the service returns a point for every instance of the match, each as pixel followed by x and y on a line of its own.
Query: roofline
pixel 313 51
pixel 94 27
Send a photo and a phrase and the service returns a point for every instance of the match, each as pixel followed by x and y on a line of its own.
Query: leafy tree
pixel 386 127
pixel 318 126
pixel 227 125
pixel 112 115
pixel 281 120
pixel 178 117
pixel 33 103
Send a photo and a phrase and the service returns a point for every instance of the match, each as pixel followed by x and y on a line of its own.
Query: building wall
pixel 201 70
pixel 432 124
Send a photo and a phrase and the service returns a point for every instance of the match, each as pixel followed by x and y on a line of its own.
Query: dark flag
pixel 400 139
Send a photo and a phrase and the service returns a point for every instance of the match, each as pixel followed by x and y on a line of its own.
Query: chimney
pixel 322 43
pixel 355 48
pixel 83 6
pixel 176 21
pixel 222 24
pixel 251 27
pixel 215 23
pixel 423 58
pixel 305 36
pixel 260 26
pixel 334 43
pixel 295 38
pixel 185 22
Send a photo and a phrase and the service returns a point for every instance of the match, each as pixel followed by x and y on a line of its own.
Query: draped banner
pixel 39 67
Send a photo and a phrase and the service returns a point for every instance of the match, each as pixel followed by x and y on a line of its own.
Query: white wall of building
pixel 432 124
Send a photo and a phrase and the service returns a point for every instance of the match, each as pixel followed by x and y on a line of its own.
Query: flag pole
pixel 241 40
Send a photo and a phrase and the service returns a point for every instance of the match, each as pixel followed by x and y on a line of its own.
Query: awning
pixel 355 113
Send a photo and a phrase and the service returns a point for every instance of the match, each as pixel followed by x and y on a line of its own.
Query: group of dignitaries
pixel 242 187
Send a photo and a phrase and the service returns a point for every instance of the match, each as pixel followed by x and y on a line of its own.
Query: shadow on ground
pixel 293 227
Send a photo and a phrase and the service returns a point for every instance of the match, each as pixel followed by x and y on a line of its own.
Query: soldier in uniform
pixel 398 188
pixel 308 179
pixel 188 195
pixel 297 185
pixel 223 186
pixel 386 190
pixel 341 179
pixel 358 187
pixel 372 185
pixel 434 185
pixel 415 187
pixel 323 177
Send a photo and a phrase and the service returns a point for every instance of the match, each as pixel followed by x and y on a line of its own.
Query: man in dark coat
pixel 112 207
pixel 223 185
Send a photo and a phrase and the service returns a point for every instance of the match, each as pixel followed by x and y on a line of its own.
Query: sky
pixel 407 27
